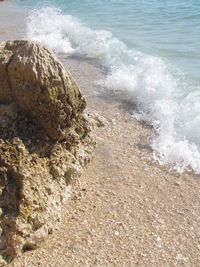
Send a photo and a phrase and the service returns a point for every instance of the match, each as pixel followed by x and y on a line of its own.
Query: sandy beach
pixel 125 210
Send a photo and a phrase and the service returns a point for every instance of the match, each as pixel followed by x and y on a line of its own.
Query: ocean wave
pixel 164 99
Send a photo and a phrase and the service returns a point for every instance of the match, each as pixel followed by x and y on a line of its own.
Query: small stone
pixel 178 183
pixel 158 242
pixel 116 233
pixel 180 257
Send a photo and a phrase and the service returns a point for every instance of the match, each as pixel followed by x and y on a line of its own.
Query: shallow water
pixel 149 49
pixel 169 29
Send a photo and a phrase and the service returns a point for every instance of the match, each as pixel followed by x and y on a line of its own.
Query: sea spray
pixel 159 90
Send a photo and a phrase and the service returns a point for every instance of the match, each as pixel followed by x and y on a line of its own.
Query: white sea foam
pixel 157 89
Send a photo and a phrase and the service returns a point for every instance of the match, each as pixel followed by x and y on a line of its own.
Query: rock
pixel 97 120
pixel 32 77
pixel 45 141
pixel 177 183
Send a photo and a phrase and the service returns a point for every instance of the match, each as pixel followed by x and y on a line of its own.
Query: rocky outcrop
pixel 45 142
pixel 40 86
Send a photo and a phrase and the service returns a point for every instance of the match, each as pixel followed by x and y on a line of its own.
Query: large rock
pixel 36 81
pixel 45 141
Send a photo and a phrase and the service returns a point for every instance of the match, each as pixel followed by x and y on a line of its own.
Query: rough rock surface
pixel 45 141
pixel 39 84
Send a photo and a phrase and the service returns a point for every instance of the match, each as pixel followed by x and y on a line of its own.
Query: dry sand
pixel 125 210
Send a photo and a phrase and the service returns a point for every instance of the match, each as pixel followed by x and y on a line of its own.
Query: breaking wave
pixel 163 96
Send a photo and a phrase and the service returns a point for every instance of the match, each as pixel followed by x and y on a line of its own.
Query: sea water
pixel 150 50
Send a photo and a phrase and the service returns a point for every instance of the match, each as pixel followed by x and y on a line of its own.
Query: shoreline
pixel 125 210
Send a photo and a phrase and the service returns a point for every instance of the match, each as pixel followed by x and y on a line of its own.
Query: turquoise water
pixel 150 49
pixel 166 28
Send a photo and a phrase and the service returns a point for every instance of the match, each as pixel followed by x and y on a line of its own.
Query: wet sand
pixel 125 210
pixel 11 22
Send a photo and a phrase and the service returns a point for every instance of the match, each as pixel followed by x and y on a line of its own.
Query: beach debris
pixel 45 141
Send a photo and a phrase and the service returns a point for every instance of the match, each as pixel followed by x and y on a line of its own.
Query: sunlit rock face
pixel 45 141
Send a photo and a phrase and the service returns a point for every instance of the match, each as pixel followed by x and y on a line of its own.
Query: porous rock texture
pixel 45 141
pixel 36 81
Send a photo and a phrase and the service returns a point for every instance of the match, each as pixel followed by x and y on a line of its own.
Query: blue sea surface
pixel 165 28
pixel 151 51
